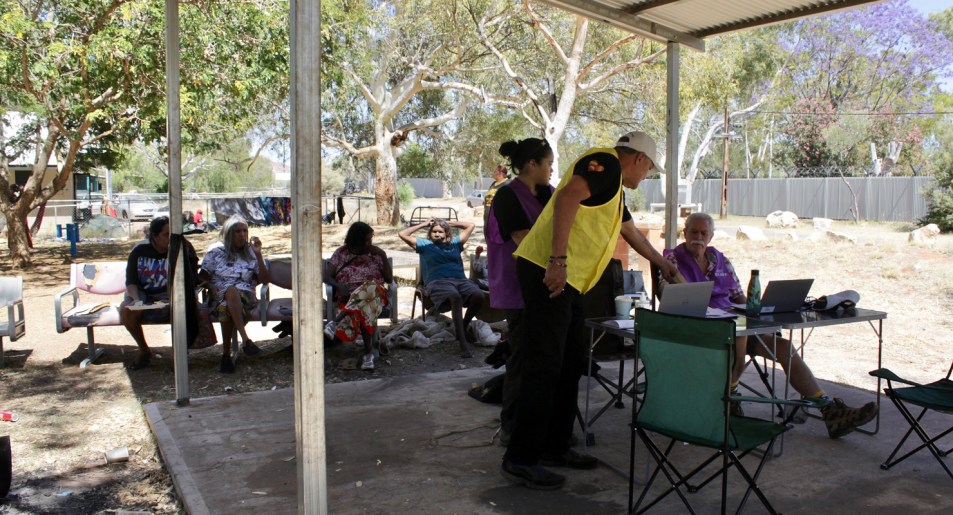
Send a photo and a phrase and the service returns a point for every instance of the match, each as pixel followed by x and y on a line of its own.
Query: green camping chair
pixel 687 383
pixel 936 396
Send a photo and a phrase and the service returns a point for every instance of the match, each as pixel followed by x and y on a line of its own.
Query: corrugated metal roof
pixel 690 21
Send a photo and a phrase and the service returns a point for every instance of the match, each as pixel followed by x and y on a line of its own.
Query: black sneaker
pixel 571 459
pixel 535 476
pixel 226 366
pixel 841 419
pixel 250 349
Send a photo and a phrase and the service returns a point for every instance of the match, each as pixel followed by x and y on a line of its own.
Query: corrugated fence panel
pixel 884 199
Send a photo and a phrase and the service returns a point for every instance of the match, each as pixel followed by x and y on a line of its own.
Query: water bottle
pixel 753 308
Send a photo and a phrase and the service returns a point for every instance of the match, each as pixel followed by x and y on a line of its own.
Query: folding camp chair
pixel 936 396
pixel 687 383
pixel 760 368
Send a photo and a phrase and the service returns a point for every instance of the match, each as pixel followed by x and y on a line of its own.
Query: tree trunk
pixel 17 239
pixel 385 190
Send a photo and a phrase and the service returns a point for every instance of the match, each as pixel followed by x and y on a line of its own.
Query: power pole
pixel 724 170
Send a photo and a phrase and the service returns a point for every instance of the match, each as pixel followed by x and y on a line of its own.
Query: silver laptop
pixel 688 299
pixel 784 296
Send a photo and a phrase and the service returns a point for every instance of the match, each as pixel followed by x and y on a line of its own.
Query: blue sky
pixel 929 6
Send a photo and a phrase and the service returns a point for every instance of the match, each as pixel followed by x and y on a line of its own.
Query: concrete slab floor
pixel 418 444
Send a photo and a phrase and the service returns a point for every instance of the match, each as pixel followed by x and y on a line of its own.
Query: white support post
pixel 671 144
pixel 180 349
pixel 306 256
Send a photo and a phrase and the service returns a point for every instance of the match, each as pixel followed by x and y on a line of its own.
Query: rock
pixel 822 224
pixel 720 234
pixel 924 235
pixel 782 219
pixel 840 237
pixel 747 232
pixel 103 227
pixel 791 236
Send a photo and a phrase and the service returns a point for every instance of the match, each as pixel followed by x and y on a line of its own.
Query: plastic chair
pixel 11 298
pixel 936 396
pixel 687 383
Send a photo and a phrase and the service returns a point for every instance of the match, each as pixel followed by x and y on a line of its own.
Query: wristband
pixel 557 257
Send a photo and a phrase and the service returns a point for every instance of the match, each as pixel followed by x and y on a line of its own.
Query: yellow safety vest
pixel 592 237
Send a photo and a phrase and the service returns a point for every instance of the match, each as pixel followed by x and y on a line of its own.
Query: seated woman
pixel 233 268
pixel 444 278
pixel 147 283
pixel 358 271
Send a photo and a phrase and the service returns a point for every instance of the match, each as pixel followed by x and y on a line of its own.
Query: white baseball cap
pixel 642 142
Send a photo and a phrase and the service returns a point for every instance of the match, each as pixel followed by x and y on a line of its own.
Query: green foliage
pixel 635 200
pixel 417 162
pixel 405 193
pixel 940 198
pixel 940 195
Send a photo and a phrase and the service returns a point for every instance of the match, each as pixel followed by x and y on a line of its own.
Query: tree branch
pixel 538 23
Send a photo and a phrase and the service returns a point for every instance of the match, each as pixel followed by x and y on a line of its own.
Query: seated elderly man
pixel 697 262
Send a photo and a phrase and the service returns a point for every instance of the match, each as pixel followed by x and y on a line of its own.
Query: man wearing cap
pixel 561 258
pixel 698 261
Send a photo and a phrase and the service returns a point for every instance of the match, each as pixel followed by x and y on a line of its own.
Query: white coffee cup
pixel 623 306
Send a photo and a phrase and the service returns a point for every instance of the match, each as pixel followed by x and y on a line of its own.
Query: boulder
pixel 822 224
pixel 747 232
pixel 782 219
pixel 924 235
pixel 103 227
pixel 840 237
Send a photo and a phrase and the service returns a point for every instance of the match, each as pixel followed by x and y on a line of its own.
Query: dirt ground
pixel 69 417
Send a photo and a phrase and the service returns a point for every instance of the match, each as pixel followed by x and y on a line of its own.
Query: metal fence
pixel 883 199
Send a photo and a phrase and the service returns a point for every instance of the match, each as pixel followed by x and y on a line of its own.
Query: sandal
pixel 250 349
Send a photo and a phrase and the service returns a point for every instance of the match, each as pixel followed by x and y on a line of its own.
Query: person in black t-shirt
pixel 147 283
pixel 515 209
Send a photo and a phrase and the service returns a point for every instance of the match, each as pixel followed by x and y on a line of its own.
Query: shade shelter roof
pixel 674 22
pixel 688 22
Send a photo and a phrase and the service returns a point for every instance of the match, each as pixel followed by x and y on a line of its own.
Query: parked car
pixel 475 198
pixel 137 208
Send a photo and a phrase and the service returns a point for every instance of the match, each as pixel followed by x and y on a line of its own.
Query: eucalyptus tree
pixel 554 59
pixel 393 69
pixel 81 78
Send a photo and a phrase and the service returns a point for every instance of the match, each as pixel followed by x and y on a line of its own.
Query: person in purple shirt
pixel 697 261
pixel 515 209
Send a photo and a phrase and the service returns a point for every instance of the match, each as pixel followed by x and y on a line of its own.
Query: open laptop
pixel 688 299
pixel 783 296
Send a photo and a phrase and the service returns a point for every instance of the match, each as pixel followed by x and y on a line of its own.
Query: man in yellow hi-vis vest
pixel 562 257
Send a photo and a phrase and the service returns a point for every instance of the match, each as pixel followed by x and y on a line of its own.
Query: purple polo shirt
pixel 719 270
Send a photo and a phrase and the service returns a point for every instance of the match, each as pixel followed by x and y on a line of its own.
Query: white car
pixel 137 208
pixel 475 198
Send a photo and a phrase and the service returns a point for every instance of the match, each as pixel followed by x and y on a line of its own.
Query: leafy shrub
pixel 405 193
pixel 940 196
pixel 635 200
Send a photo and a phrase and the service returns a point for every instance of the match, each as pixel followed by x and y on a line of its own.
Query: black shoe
pixel 226 366
pixel 500 354
pixel 571 459
pixel 250 349
pixel 535 476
